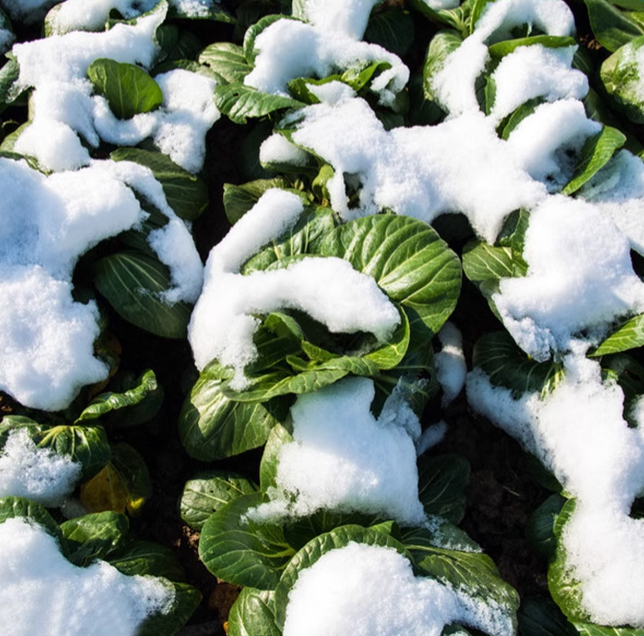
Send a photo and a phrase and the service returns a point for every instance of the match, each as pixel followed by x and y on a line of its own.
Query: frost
pixel 342 458
pixel 43 593
pixel 365 590
pixel 35 473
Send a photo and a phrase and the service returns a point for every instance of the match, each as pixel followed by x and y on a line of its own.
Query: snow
pixel 344 459
pixel 604 545
pixel 328 289
pixel 278 149
pixel 65 112
pixel 439 5
pixel 35 473
pixel 46 337
pixel 43 593
pixel 451 368
pixel 330 42
pixel 364 590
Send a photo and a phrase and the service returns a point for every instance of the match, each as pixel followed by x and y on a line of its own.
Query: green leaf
pixel 620 74
pixel 238 199
pixel 250 52
pixel 211 426
pixel 186 193
pixel 134 406
pixel 133 283
pixel 501 49
pixel 498 356
pixel 270 458
pixel 540 528
pixel 539 616
pixel 94 536
pixel 239 102
pixel 408 261
pixel 525 110
pixel 252 614
pixel 21 508
pixel 611 27
pixel 177 44
pixel 483 262
pixel 9 74
pixel 477 10
pixel 595 154
pixel 134 556
pixel 443 44
pixel 442 482
pixel 84 444
pixel 589 629
pixel 128 89
pixel 241 551
pixel 564 589
pixel 393 29
pixel 227 60
pixel 628 335
pixel 186 601
pixel 314 549
pixel 208 492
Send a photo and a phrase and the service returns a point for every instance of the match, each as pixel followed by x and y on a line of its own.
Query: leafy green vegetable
pixel 442 481
pixel 240 102
pixel 94 536
pixel 620 74
pixel 252 614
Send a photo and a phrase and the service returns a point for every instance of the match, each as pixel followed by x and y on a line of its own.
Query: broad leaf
pixel 212 426
pixel 393 29
pixel 590 629
pixel 620 74
pixel 629 335
pixel 442 482
pixel 595 154
pixel 134 556
pixel 539 616
pixel 227 60
pixel 314 549
pixel 186 601
pixel 133 283
pixel 540 529
pixel 21 508
pixel 122 486
pixel 186 193
pixel 250 52
pixel 241 551
pixel 9 74
pixel 270 458
pixel 253 615
pixel 238 199
pixel 240 102
pixel 442 45
pixel 94 536
pixel 128 89
pixel 611 27
pixel 210 491
pixel 133 406
pixel 501 49
pixel 498 356
pixel 408 261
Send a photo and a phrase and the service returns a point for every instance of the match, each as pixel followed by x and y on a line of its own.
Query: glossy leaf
pixel 252 614
pixel 134 556
pixel 629 335
pixel 187 194
pixel 498 356
pixel 442 481
pixel 131 407
pixel 212 426
pixel 590 629
pixel 540 528
pixel 240 102
pixel 238 199
pixel 122 486
pixel 443 44
pixel 208 492
pixel 94 536
pixel 611 27
pixel 128 89
pixel 241 551
pixel 408 261
pixel 270 457
pixel 250 52
pixel 133 283
pixel 500 49
pixel 539 616
pixel 21 508
pixel 620 74
pixel 595 154
pixel 227 60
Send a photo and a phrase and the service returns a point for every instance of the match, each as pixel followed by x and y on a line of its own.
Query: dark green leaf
pixel 442 482
pixel 186 601
pixel 241 551
pixel 540 529
pixel 227 60
pixel 131 407
pixel 94 536
pixel 134 556
pixel 209 491
pixel 186 193
pixel 525 110
pixel 595 154
pixel 133 283
pixel 501 49
pixel 20 508
pixel 212 426
pixel 128 89
pixel 611 27
pixel 541 617
pixel 253 614
pixel 498 356
pixel 178 44
pixel 238 199
pixel 239 102
pixel 393 29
